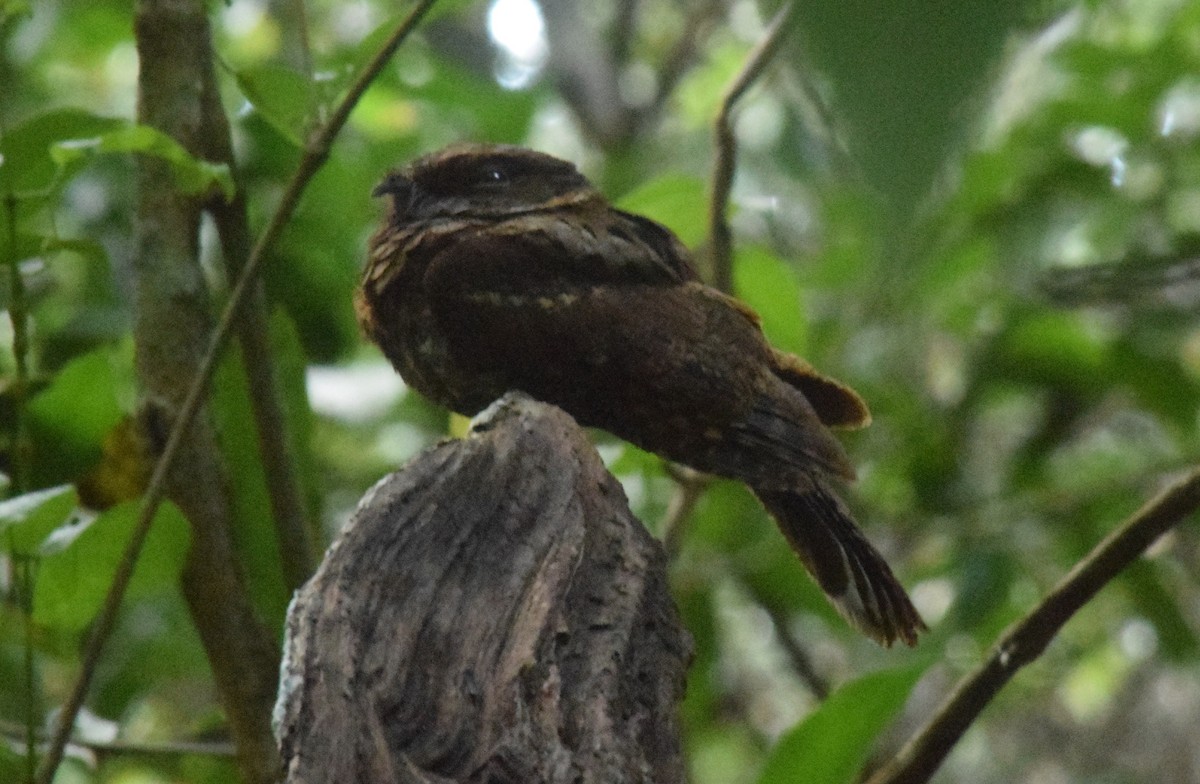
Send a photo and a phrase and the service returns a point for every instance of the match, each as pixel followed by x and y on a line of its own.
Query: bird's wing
pixel 549 253
pixel 668 250
pixel 836 404
pixel 622 344
pixel 560 287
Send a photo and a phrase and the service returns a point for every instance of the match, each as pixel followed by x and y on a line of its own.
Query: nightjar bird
pixel 499 268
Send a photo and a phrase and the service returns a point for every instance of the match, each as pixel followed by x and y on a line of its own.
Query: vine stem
pixel 720 239
pixel 18 316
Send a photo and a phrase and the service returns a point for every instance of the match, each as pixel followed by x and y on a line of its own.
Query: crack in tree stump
pixel 492 613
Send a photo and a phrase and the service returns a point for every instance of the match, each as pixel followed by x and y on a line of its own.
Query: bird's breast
pixel 400 321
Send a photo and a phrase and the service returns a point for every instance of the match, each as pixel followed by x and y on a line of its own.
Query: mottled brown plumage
pixel 500 268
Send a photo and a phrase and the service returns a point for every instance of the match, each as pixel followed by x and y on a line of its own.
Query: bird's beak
pixel 402 190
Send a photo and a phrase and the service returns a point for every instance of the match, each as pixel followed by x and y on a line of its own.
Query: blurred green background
pixel 983 216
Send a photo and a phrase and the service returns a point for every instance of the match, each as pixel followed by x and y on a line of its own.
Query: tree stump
pixel 493 612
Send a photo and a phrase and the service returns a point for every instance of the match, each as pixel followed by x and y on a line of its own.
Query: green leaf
pixel 770 286
pixel 704 691
pixel 700 91
pixel 27 167
pixel 674 200
pixel 776 578
pixel 982 601
pixel 69 419
pixel 283 97
pixel 11 9
pixel 1160 382
pixel 192 175
pixel 898 75
pixel 26 520
pixel 1147 589
pixel 476 105
pixel 1065 349
pixel 727 518
pixel 831 745
pixel 321 274
pixel 80 560
pixel 89 250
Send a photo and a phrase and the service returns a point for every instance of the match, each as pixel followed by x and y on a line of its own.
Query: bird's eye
pixel 494 174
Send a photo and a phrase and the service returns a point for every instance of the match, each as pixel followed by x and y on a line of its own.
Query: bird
pixel 500 268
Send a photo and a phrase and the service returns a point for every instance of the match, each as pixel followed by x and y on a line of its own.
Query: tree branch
pixel 315 154
pixel 720 240
pixel 1027 639
pixel 1168 283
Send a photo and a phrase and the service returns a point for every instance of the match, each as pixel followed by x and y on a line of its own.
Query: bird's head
pixel 482 181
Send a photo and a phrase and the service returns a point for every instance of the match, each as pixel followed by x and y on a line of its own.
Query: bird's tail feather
pixel 846 566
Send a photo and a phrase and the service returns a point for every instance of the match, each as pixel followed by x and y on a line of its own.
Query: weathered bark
pixel 492 613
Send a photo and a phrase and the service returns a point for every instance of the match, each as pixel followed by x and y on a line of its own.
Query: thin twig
pixel 689 486
pixel 24 567
pixel 18 317
pixel 315 154
pixel 303 40
pixel 624 24
pixel 720 240
pixel 682 55
pixel 1167 283
pixel 1027 639
pixel 9 730
pixel 294 532
pixel 799 657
